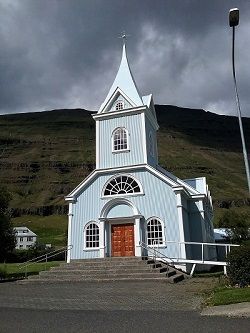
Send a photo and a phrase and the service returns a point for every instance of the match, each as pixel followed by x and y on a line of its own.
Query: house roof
pixel 24 232
pixel 125 82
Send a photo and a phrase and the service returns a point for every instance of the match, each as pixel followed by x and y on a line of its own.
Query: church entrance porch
pixel 122 240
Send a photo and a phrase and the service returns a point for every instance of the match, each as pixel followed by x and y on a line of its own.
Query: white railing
pixel 202 246
pixel 44 257
pixel 156 254
pixel 204 258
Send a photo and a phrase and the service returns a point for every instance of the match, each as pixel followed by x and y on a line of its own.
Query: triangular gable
pixel 166 176
pixel 118 95
pixel 72 196
pixel 124 80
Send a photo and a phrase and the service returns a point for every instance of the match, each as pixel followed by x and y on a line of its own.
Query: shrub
pixel 3 273
pixel 239 265
pixel 236 224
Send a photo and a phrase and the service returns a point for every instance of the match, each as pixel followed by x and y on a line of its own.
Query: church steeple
pixel 124 84
pixel 126 124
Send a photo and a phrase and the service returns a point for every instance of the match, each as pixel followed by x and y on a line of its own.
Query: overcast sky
pixel 65 53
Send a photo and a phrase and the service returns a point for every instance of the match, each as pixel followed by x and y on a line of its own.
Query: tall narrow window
pixel 120 139
pixel 154 232
pixel 92 236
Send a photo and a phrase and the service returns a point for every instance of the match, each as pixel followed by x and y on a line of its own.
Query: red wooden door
pixel 122 240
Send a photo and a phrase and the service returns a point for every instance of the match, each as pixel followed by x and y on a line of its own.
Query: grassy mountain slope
pixel 44 155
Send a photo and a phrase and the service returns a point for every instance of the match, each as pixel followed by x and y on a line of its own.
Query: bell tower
pixel 126 124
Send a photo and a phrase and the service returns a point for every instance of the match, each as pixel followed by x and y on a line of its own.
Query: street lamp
pixel 233 22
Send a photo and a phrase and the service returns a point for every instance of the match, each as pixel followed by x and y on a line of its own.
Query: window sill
pixel 91 249
pixel 160 246
pixel 120 151
pixel 125 195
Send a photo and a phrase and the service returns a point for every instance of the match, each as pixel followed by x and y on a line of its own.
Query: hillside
pixel 44 155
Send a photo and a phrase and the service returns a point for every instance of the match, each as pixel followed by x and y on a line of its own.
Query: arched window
pixel 155 234
pixel 122 184
pixel 119 105
pixel 120 139
pixel 92 236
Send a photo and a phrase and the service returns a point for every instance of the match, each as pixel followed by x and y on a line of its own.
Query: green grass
pixel 228 295
pixel 15 270
pixel 50 229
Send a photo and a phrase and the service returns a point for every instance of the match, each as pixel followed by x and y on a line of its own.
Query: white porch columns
pixel 70 215
pixel 102 238
pixel 137 237
pixel 182 249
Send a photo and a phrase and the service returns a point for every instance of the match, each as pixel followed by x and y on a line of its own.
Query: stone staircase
pixel 111 269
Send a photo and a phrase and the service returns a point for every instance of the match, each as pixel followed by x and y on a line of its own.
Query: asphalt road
pixel 108 307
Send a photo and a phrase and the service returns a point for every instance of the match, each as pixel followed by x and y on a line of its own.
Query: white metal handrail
pixel 154 251
pixel 226 246
pixel 44 257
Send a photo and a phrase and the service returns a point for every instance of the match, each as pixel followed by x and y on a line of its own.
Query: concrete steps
pixel 110 269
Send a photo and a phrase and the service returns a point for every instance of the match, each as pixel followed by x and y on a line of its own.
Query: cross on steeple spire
pixel 124 37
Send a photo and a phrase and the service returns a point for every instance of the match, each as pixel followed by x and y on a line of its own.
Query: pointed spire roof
pixel 125 82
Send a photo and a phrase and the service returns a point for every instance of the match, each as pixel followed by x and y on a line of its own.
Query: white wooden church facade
pixel 129 198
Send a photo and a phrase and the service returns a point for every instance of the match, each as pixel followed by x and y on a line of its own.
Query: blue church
pixel 129 198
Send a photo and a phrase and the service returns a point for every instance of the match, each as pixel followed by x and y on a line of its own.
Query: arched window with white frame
pixel 120 139
pixel 155 232
pixel 122 185
pixel 91 236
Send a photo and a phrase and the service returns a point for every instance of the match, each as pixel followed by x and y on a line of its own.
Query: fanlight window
pixel 120 139
pixel 154 232
pixel 122 185
pixel 119 105
pixel 92 236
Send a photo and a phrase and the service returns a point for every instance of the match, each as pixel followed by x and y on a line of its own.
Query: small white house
pixel 25 238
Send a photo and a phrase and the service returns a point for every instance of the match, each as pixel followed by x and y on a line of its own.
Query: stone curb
pixel 231 310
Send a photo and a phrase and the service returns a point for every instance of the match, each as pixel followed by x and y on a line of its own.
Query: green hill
pixel 44 155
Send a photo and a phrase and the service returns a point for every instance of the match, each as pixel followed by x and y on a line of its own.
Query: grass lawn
pixel 15 270
pixel 228 295
pixel 49 229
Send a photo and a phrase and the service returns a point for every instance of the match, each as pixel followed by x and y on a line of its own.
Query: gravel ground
pixel 116 295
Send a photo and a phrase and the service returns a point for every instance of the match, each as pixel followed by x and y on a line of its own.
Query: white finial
pixel 124 36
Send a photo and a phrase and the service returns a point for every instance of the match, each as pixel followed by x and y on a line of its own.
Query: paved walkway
pixel 110 307
pixel 114 295
pixel 231 310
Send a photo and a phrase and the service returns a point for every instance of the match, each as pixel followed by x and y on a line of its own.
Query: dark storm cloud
pixel 57 54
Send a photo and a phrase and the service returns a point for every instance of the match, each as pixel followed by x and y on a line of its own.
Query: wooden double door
pixel 122 240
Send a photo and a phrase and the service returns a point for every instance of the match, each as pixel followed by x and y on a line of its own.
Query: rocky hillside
pixel 44 155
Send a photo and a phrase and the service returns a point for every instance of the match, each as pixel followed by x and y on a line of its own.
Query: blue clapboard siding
pixel 152 160
pixel 134 156
pixel 158 200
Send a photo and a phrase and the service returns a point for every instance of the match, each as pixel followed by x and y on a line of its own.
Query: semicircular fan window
pixel 122 185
